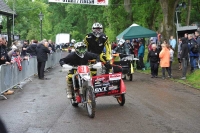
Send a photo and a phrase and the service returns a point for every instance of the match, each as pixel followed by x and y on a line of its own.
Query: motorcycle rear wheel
pixel 91 103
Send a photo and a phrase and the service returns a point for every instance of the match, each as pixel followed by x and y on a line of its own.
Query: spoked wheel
pixel 73 100
pixel 129 77
pixel 121 100
pixel 91 103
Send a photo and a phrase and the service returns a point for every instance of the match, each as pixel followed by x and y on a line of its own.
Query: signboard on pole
pixel 88 2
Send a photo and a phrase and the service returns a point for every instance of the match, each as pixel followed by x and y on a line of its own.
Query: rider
pixel 79 57
pixel 96 41
pixel 72 42
pixel 122 48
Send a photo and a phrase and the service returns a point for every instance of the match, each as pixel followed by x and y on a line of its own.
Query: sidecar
pixel 127 65
pixel 110 85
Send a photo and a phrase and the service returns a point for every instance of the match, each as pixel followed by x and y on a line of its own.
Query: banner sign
pixel 89 2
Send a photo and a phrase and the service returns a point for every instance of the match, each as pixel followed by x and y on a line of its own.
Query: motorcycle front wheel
pixel 90 102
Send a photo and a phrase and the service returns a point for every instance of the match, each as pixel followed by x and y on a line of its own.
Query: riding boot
pixel 69 91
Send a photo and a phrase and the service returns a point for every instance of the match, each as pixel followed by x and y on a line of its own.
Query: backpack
pixel 195 49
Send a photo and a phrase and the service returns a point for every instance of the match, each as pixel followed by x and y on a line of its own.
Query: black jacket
pixel 75 60
pixel 4 53
pixel 184 49
pixel 32 49
pixel 95 45
pixel 41 52
pixel 198 42
pixel 153 56
pixel 23 53
pixel 52 47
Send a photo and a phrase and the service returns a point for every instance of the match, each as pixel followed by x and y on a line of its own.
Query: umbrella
pixel 136 31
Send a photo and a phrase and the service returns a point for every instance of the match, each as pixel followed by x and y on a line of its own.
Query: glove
pixel 108 65
pixel 62 63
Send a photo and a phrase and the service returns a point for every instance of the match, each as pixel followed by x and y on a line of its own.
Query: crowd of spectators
pixel 23 50
pixel 161 53
pixel 188 50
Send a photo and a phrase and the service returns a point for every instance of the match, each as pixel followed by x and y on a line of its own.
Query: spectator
pixel 179 52
pixel 24 48
pixel 197 35
pixel 158 38
pixel 136 47
pixel 141 55
pixel 184 56
pixel 4 58
pixel 2 127
pixel 52 46
pixel 13 48
pixel 154 39
pixel 15 55
pixel 186 36
pixel 150 45
pixel 153 57
pixel 172 42
pixel 164 56
pixel 19 45
pixel 41 52
pixel 135 51
pixel 193 51
pixel 171 51
pixel 114 45
pixel 32 48
pixel 143 41
pixel 16 58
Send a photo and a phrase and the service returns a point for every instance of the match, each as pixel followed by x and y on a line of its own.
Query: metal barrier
pixel 11 76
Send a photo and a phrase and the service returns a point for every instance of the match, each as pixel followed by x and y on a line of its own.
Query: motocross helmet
pixel 73 41
pixel 80 49
pixel 97 29
pixel 121 41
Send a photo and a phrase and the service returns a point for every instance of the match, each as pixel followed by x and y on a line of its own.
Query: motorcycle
pixel 84 93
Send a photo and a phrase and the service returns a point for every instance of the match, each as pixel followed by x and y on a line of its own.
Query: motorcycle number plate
pixel 83 69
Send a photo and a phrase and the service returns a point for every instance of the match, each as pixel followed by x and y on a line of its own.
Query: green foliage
pixel 195 12
pixel 78 19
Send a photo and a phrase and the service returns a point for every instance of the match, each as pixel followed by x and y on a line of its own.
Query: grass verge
pixel 192 80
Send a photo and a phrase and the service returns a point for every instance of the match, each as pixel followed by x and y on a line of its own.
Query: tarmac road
pixel 152 106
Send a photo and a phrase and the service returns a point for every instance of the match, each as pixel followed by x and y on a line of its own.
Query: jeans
pixel 170 67
pixel 141 62
pixel 163 71
pixel 184 67
pixel 193 61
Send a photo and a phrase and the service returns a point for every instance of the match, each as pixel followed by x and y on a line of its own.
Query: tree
pixel 168 10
